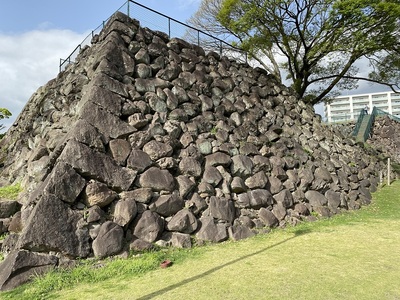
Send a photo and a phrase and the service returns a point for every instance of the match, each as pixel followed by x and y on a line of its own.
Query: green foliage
pixel 10 192
pixel 320 41
pixel 4 114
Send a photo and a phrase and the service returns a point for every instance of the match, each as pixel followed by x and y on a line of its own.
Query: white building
pixel 346 108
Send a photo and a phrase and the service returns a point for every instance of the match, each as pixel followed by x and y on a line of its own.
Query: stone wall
pixel 385 138
pixel 147 139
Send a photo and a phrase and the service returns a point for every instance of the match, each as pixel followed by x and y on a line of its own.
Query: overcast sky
pixel 34 35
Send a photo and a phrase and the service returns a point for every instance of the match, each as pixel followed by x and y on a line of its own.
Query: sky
pixel 34 35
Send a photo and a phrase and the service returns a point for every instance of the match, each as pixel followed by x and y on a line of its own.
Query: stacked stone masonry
pixel 147 139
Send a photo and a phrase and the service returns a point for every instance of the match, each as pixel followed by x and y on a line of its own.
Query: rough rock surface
pixel 21 265
pixel 146 139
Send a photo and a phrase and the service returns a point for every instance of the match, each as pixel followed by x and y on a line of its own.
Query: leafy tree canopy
pixel 318 44
pixel 4 114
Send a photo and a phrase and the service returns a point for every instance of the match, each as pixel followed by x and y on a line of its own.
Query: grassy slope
pixel 352 256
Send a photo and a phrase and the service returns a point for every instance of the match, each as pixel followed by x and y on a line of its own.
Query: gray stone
pixel 137 120
pixel 268 218
pixel 190 166
pixel 143 71
pixel 140 245
pixel 222 209
pixel 334 198
pixel 87 134
pixel 150 85
pixel 95 214
pixel 156 150
pixel 212 176
pixel 204 146
pixel 142 57
pixel 279 211
pixel 97 193
pixel 185 185
pixel 139 160
pixel 238 185
pixel 93 164
pixel 108 124
pixel 257 181
pixel 255 199
pixel 109 240
pixel 218 159
pixel 196 204
pixel 209 231
pixel 183 221
pixel 167 205
pixel 157 180
pixel 285 198
pixel 64 183
pixel 20 266
pixel 10 243
pixel 181 240
pixel 125 211
pixel 120 150
pixel 148 226
pixel 16 223
pixel 301 209
pixel 8 208
pixel 316 199
pixel 242 166
pixel 274 185
pixel 141 195
pixel 60 231
pixel 239 232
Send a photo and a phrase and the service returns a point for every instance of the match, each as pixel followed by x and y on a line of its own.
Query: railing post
pixel 220 48
pixel 388 171
pixel 198 38
pixel 169 27
pixel 128 8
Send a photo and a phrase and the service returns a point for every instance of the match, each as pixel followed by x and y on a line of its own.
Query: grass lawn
pixel 351 256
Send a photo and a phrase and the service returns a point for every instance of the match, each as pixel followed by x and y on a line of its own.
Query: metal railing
pixel 375 112
pixel 380 112
pixel 157 21
pixel 369 124
pixel 358 123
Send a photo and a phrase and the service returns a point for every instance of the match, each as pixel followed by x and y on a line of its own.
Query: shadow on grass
pixel 297 233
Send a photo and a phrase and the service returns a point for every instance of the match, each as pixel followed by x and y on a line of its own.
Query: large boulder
pixel 109 240
pixel 61 230
pixel 96 165
pixel 157 180
pixel 8 208
pixel 125 211
pixel 222 209
pixel 148 226
pixel 20 266
pixel 315 198
pixel 97 193
pixel 167 205
pixel 183 221
pixel 209 231
pixel 59 182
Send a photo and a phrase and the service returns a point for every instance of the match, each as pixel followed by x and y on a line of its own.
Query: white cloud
pixel 184 4
pixel 28 61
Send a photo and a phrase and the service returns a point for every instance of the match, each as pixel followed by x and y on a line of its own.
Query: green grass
pixel 351 256
pixel 10 192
